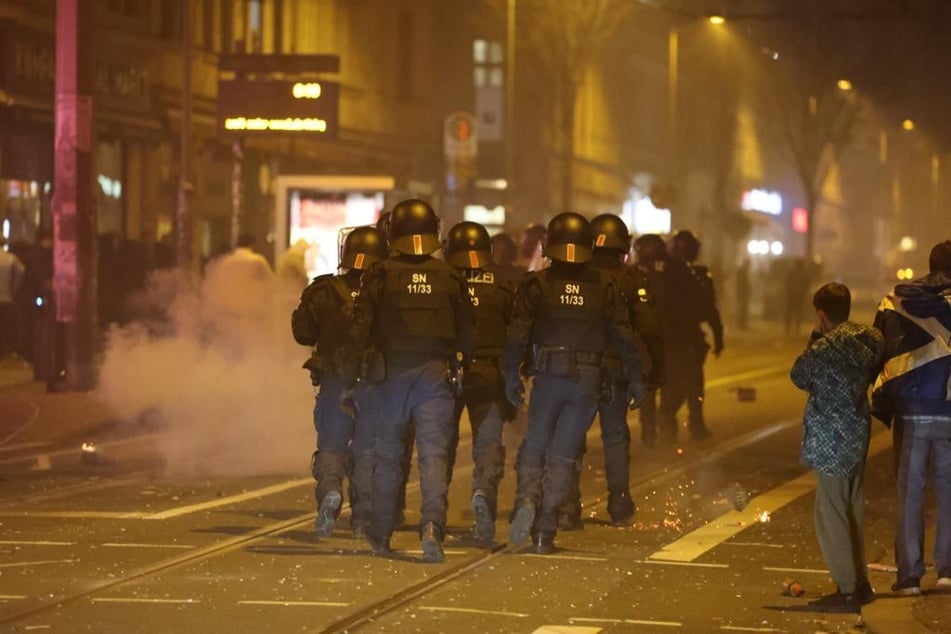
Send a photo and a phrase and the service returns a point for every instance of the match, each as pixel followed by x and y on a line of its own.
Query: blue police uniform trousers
pixel 417 392
pixel 560 412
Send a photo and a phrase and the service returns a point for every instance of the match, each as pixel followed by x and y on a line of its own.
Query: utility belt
pixel 559 361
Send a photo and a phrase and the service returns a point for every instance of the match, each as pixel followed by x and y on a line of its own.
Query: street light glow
pixel 717 19
pixel 844 84
pixel 908 124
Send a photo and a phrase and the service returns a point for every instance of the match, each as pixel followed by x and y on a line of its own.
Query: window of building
pixel 488 60
pixel 254 26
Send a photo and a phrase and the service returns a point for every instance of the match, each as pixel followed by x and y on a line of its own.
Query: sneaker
pixel 863 593
pixel 431 542
pixel 837 602
pixel 520 530
pixel 484 529
pixel 327 514
pixel 910 587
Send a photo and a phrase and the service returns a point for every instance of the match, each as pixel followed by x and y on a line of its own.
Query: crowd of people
pixel 414 331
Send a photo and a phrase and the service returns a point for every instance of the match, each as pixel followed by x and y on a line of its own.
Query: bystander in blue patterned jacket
pixel 836 369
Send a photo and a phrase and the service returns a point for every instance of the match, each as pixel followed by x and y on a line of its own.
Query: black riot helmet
pixel 362 247
pixel 568 238
pixel 414 228
pixel 610 233
pixel 649 248
pixel 383 225
pixel 685 246
pixel 468 246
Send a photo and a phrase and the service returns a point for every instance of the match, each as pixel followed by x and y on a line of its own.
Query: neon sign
pixel 272 106
pixel 258 124
pixel 764 201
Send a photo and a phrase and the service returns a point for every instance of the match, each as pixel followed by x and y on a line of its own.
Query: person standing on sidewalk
pixel 914 390
pixel 836 370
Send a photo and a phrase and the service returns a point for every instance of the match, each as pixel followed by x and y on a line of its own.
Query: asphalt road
pixel 115 545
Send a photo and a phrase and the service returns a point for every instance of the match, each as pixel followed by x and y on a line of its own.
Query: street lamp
pixel 908 125
pixel 844 84
pixel 716 19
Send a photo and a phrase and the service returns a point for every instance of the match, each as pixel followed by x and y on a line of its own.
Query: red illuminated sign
pixel 800 220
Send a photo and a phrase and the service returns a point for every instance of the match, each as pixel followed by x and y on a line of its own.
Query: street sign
pixel 460 138
pixel 269 107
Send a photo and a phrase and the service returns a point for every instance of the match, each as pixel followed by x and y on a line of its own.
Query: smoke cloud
pixel 215 364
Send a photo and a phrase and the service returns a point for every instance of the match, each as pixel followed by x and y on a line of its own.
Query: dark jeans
pixel 419 393
pixel 560 412
pixel 483 396
pixel 341 444
pixel 684 382
pixel 916 442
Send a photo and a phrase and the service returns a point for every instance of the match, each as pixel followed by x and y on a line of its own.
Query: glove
pixel 515 393
pixel 635 393
pixel 348 404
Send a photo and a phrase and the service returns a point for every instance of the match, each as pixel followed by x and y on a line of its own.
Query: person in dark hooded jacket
pixel 836 369
pixel 914 390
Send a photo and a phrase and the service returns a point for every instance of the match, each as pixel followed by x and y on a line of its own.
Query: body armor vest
pixel 416 304
pixel 489 304
pixel 572 311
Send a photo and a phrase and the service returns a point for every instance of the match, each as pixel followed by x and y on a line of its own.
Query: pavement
pixel 31 416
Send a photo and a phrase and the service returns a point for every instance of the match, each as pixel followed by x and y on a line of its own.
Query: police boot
pixel 431 542
pixel 621 508
pixel 380 546
pixel 543 543
pixel 484 529
pixel 520 528
pixel 327 514
pixel 569 513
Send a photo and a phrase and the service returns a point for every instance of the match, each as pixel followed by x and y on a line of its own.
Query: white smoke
pixel 215 363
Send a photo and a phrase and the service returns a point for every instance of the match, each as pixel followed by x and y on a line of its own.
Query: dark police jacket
pixel 571 307
pixel 413 306
pixel 493 300
pixel 324 315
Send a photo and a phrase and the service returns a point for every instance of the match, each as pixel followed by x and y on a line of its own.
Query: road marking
pixel 231 499
pixel 566 557
pixel 809 571
pixel 117 545
pixel 447 551
pixel 142 600
pixel 580 619
pixel 16 432
pixel 321 604
pixel 681 563
pixel 12 597
pixel 86 515
pixel 566 629
pixel 746 376
pixel 736 628
pixel 13 542
pixel 436 608
pixel 29 628
pixel 756 544
pixel 21 564
pixel 696 543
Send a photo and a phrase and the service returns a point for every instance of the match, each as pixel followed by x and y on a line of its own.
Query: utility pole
pixel 74 213
pixel 183 217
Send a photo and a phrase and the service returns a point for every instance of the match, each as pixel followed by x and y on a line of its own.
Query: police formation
pixel 404 342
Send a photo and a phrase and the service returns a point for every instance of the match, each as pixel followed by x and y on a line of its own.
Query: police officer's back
pixel 324 312
pixel 469 249
pixel 568 314
pixel 415 310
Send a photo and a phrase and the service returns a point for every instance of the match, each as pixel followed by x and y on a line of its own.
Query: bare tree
pixel 564 38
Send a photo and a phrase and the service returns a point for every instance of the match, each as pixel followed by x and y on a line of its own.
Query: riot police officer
pixel 690 349
pixel 569 313
pixel 610 250
pixel 469 249
pixel 323 313
pixel 415 310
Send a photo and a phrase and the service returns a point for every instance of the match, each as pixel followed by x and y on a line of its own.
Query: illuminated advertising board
pixel 763 200
pixel 268 107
